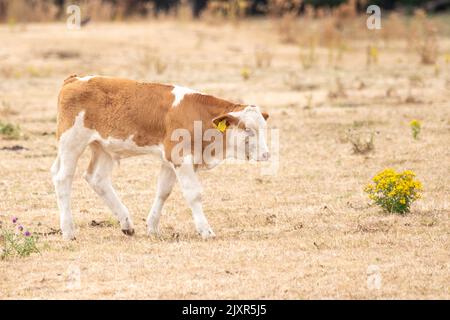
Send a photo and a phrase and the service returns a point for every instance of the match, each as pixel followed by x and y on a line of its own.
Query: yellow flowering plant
pixel 245 73
pixel 394 191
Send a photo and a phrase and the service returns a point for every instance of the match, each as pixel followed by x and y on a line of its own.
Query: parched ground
pixel 306 232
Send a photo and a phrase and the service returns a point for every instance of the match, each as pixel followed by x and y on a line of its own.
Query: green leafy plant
pixel 16 241
pixel 393 191
pixel 416 126
pixel 9 131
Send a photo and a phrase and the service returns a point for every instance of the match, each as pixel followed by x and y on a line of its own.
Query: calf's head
pixel 245 133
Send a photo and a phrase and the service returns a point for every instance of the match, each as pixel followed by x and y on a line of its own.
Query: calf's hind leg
pixel 98 175
pixel 70 148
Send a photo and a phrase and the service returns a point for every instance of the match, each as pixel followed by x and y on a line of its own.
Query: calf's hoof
pixel 153 232
pixel 128 232
pixel 207 234
pixel 69 236
pixel 68 232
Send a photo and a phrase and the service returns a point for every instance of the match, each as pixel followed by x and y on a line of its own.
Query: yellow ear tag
pixel 222 126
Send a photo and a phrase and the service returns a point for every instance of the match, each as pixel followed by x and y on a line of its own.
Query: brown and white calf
pixel 118 118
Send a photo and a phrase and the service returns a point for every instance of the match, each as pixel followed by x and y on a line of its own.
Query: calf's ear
pixel 265 115
pixel 228 118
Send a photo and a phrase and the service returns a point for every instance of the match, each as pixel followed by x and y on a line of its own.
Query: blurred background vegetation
pixel 50 10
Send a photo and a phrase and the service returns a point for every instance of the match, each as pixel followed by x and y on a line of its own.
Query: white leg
pixel 62 171
pixel 192 193
pixel 166 181
pixel 98 176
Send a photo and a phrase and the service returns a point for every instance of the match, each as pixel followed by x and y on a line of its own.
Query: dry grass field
pixel 307 232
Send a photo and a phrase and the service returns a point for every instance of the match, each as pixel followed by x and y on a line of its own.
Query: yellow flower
pixel 394 191
pixel 414 123
pixel 245 73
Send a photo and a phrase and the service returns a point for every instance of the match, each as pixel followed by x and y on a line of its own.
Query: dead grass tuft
pixel 338 91
pixel 263 57
pixel 362 141
pixel 424 38
pixel 150 61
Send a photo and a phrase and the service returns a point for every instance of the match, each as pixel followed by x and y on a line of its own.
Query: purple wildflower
pixel 14 219
pixel 27 234
pixel 20 227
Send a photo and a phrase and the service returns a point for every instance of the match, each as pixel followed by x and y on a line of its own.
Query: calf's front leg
pixel 192 193
pixel 166 181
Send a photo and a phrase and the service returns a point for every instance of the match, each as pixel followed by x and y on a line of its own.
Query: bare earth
pixel 306 232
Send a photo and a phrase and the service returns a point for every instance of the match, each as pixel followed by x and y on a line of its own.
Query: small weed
pixel 16 241
pixel 338 91
pixel 150 61
pixel 414 81
pixel 245 73
pixel 309 101
pixel 372 55
pixel 10 131
pixel 362 141
pixel 286 16
pixel 6 109
pixel 263 57
pixel 416 126
pixel 309 59
pixel 426 40
pixel 296 81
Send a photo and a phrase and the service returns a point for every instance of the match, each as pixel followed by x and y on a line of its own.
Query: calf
pixel 119 118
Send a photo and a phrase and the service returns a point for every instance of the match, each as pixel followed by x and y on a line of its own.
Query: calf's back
pixel 116 108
